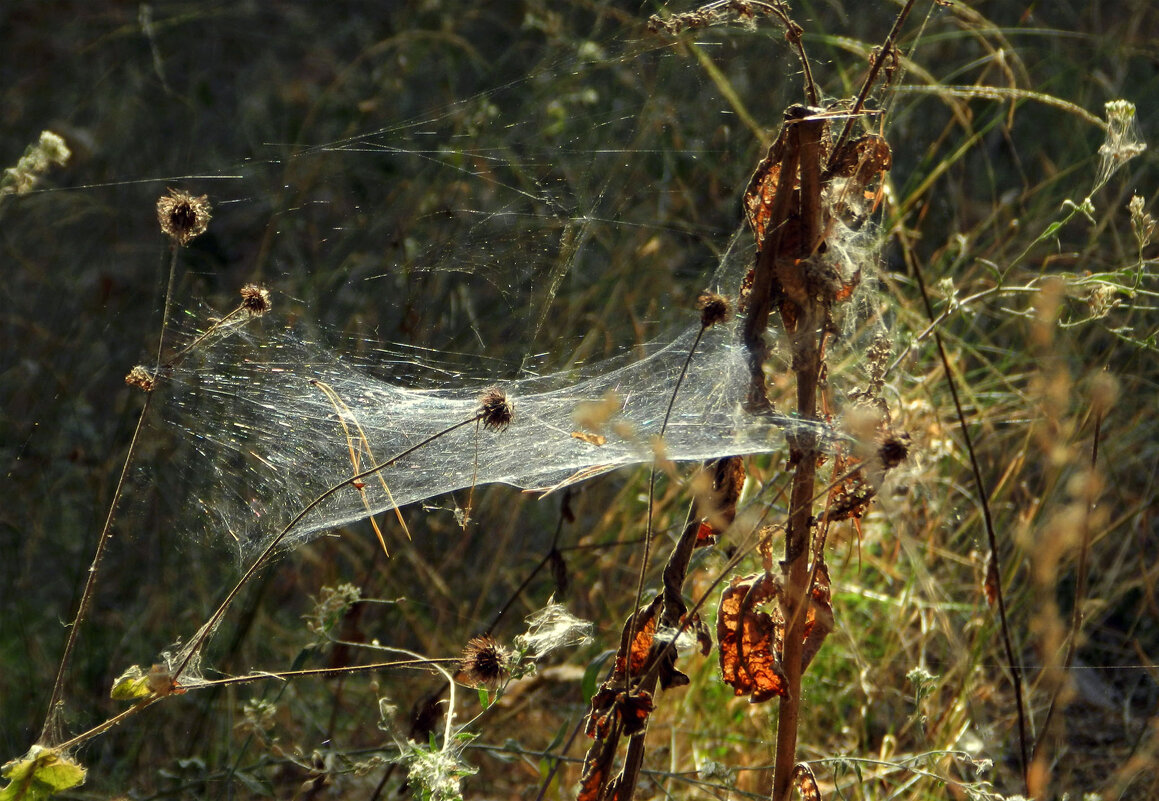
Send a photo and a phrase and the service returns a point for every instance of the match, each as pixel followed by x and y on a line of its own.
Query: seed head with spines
pixel 182 216
pixel 495 410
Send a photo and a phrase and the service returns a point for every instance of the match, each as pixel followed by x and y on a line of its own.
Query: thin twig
pixel 210 624
pixel 875 66
pixel 106 530
pixel 992 538
pixel 651 497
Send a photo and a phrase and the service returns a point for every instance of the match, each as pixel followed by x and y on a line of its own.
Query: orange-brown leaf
pixel 641 649
pixel 751 640
pixel 705 535
pixel 819 616
pixel 597 767
pixel 718 509
pixel 806 783
pixel 991 586
pixel 633 709
pixel 599 724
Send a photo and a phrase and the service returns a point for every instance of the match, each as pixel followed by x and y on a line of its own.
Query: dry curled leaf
pixel 611 705
pixel 992 584
pixel 596 770
pixel 644 631
pixel 751 639
pixel 818 617
pixel 806 783
pixel 717 509
pixel 590 439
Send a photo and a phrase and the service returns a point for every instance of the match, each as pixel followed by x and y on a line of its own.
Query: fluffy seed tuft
pixel 495 410
pixel 182 216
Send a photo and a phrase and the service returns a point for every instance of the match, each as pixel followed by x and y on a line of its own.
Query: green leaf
pixel 40 774
pixel 484 697
pixel 131 685
pixel 254 785
pixel 592 675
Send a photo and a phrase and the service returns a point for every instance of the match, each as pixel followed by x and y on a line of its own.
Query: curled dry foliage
pixel 752 639
pixel 717 509
pixel 806 783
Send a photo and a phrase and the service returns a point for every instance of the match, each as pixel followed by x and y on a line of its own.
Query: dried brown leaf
pixel 751 640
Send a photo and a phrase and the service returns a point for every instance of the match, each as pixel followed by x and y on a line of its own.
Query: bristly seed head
pixel 894 450
pixel 255 300
pixel 183 216
pixel 495 410
pixel 141 377
pixel 485 662
pixel 714 308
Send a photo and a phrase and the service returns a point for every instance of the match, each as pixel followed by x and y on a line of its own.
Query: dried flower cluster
pixel 1122 142
pixel 714 308
pixel 141 377
pixel 485 663
pixel 182 216
pixel 716 13
pixel 495 410
pixel 1142 223
pixel 255 300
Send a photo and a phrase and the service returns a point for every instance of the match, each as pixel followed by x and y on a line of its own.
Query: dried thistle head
pixel 893 450
pixel 495 410
pixel 485 662
pixel 141 377
pixel 182 216
pixel 714 308
pixel 255 300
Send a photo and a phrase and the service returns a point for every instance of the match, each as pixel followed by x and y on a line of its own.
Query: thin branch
pixel 992 538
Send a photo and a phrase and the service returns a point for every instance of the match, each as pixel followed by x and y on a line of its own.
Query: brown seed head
pixel 485 662
pixel 255 300
pixel 140 377
pixel 713 308
pixel 183 216
pixel 495 410
pixel 893 450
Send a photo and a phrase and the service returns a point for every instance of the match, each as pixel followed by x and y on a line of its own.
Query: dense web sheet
pixel 558 214
pixel 276 419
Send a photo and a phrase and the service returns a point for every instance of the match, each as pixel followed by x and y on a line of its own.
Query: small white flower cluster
pixel 1122 142
pixel 37 159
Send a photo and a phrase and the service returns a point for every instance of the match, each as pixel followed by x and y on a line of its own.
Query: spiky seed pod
pixel 255 300
pixel 485 662
pixel 182 216
pixel 495 410
pixel 714 308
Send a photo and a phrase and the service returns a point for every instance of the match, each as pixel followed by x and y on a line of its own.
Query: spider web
pixel 275 419
pixel 494 233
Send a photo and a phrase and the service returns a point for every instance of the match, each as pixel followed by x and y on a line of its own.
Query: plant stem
pixel 806 349
pixel 55 699
pixel 206 629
